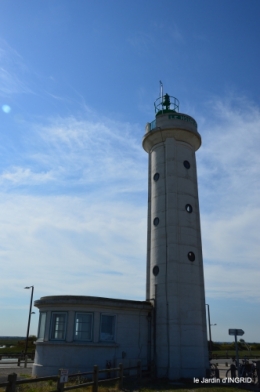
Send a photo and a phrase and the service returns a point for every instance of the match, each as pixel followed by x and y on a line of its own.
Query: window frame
pixel 91 327
pixel 114 328
pixel 52 331
pixel 39 325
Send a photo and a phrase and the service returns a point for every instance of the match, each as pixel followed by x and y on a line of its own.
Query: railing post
pixel 121 375
pixel 152 370
pixel 60 386
pixel 95 379
pixel 139 370
pixel 11 387
pixel 19 360
pixel 78 377
pixel 25 361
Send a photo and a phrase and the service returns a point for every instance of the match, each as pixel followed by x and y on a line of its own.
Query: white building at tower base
pixel 77 332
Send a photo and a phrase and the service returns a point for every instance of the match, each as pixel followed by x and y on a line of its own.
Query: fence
pixel 12 382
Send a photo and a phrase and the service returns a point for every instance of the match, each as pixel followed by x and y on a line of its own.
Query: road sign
pixel 64 373
pixel 237 332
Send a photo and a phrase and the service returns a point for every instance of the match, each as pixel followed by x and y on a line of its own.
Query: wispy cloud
pixel 12 71
pixel 176 34
pixel 142 42
pixel 167 32
pixel 21 176
pixel 49 240
pixel 229 178
pixel 83 231
pixel 83 153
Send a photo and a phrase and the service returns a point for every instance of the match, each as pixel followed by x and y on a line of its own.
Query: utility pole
pixel 29 319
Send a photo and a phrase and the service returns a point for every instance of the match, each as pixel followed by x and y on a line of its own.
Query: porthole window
pixel 186 164
pixel 191 256
pixel 156 221
pixel 188 208
pixel 156 176
pixel 155 270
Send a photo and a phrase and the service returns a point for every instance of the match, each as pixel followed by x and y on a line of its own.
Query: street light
pixel 210 342
pixel 29 319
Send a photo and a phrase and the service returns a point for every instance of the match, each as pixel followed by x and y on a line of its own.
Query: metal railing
pixel 166 104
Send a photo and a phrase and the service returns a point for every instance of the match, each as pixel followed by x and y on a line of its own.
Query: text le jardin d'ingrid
pixel 225 380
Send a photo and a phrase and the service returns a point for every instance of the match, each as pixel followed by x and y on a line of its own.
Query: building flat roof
pixel 80 300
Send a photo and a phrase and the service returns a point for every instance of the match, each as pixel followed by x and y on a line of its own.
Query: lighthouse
pixel 167 331
pixel 174 278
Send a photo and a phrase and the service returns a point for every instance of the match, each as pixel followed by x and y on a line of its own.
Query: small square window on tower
pixel 107 328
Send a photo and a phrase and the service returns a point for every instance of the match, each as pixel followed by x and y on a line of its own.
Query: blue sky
pixel 77 84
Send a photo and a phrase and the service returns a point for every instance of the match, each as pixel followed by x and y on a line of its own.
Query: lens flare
pixel 6 108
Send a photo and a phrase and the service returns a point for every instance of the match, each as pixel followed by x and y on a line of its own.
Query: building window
pixel 107 328
pixel 156 221
pixel 155 270
pixel 83 326
pixel 42 324
pixel 188 208
pixel 186 164
pixel 156 176
pixel 191 256
pixel 58 325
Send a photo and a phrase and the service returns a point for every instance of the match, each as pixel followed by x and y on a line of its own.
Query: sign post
pixel 62 378
pixel 236 332
pixel 64 373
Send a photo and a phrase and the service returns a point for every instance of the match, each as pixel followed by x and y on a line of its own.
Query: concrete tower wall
pixel 178 288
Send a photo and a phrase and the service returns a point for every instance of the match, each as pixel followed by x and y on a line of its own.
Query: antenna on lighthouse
pixel 161 90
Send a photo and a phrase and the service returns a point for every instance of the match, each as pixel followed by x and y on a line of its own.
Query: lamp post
pixel 210 342
pixel 29 319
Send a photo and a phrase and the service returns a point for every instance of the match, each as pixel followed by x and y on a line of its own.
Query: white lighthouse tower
pixel 175 280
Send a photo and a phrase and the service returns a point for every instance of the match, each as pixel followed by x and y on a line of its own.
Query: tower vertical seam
pixel 166 260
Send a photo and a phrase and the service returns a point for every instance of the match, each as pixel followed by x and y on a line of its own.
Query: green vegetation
pixel 16 345
pixel 242 346
pixel 228 350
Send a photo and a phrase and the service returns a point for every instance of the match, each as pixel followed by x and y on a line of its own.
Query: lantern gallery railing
pixel 165 104
pixel 175 116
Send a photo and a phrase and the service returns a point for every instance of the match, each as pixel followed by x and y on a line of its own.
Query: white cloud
pixel 230 156
pixel 21 176
pixel 72 244
pixel 229 178
pixel 83 231
pixel 88 152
